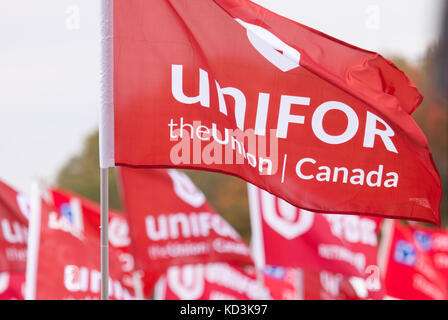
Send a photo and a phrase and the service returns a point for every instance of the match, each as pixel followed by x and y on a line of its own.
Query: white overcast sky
pixel 49 67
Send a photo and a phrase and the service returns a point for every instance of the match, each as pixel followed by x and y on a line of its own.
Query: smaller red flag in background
pixel 68 263
pixel 14 211
pixel 171 222
pixel 284 235
pixel 409 271
pixel 12 285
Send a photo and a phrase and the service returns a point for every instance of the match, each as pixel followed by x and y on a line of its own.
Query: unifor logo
pixel 185 189
pixel 405 253
pixel 284 218
pixel 187 282
pixel 271 47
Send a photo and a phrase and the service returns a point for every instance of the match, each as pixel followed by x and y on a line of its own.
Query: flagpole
pixel 106 134
pixel 104 188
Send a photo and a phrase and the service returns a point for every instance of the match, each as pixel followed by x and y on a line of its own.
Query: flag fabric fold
pixel 68 263
pixel 171 222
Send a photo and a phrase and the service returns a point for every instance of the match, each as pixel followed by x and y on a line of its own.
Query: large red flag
pixel 408 270
pixel 228 86
pixel 67 203
pixel 172 223
pixel 212 281
pixel 68 255
pixel 284 235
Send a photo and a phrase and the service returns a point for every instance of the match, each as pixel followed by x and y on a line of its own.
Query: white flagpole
pixel 34 221
pixel 106 134
pixel 104 177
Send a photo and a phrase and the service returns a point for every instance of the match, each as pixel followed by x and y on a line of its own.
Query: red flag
pixel 14 211
pixel 12 286
pixel 69 205
pixel 68 256
pixel 409 272
pixel 119 237
pixel 172 223
pixel 212 281
pixel 283 283
pixel 435 243
pixel 286 236
pixel 229 86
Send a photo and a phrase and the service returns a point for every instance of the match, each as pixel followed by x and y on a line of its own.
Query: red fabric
pixel 119 237
pixel 159 49
pixel 410 273
pixel 435 243
pixel 12 286
pixel 172 223
pixel 212 281
pixel 68 264
pixel 283 283
pixel 14 210
pixel 345 244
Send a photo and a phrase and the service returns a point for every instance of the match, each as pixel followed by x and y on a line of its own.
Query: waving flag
pixel 172 223
pixel 12 285
pixel 69 206
pixel 324 285
pixel 408 270
pixel 284 235
pixel 14 211
pixel 212 281
pixel 68 254
pixel 228 86
pixel 434 242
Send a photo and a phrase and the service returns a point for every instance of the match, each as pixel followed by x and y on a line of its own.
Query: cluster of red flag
pixel 416 262
pixel 169 242
pixel 321 130
pixel 341 246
